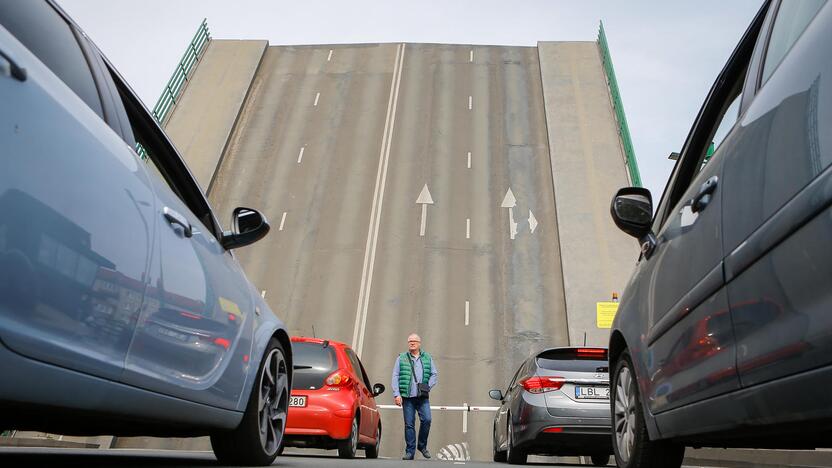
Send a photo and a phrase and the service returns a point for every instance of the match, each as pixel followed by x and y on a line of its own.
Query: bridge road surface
pixel 377 124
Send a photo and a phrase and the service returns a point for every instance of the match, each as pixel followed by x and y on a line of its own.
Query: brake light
pixel 542 384
pixel 338 379
pixel 594 352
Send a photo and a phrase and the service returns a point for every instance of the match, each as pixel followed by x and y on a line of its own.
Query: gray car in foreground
pixel 724 333
pixel 556 404
pixel 122 308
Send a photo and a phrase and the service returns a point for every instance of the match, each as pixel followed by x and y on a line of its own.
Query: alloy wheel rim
pixel 509 438
pixel 624 412
pixel 378 438
pixel 273 401
pixel 354 436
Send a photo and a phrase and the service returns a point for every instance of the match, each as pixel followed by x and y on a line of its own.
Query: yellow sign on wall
pixel 605 313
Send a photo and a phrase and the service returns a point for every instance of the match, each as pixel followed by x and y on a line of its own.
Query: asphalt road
pixel 382 224
pixel 14 457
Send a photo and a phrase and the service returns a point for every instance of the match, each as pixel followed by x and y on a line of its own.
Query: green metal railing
pixel 180 76
pixel 618 106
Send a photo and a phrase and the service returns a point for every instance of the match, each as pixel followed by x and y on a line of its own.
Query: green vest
pixel 406 371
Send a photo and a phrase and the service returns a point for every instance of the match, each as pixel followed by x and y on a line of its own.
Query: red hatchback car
pixel 332 404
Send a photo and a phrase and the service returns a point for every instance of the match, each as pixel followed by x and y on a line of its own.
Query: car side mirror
pixel 378 389
pixel 632 211
pixel 248 227
pixel 496 395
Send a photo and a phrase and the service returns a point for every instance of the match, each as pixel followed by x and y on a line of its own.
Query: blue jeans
pixel 410 406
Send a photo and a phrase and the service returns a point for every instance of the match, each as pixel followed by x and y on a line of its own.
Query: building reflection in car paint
pixel 53 279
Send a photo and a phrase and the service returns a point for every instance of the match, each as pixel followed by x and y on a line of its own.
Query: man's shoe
pixel 407 456
pixel 425 452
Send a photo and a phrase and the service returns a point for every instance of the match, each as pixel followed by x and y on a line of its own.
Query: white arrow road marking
pixel 510 202
pixel 532 222
pixel 317 96
pixel 300 156
pixel 424 199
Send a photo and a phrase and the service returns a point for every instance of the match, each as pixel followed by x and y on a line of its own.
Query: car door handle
pixel 703 198
pixel 18 72
pixel 174 217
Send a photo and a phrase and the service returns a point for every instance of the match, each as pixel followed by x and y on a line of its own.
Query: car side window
pixel 356 367
pixel 49 37
pixel 793 16
pixel 514 379
pixel 364 374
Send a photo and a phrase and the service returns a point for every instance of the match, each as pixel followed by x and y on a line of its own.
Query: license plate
pixel 592 393
pixel 299 401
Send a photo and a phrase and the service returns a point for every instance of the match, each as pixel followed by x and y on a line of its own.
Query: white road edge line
pixel 467 228
pixel 317 96
pixel 329 57
pixel 469 160
pixel 378 202
pixel 470 102
pixel 300 156
pixel 282 221
pixel 467 311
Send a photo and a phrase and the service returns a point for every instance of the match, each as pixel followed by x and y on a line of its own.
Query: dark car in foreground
pixel 556 404
pixel 724 333
pixel 122 308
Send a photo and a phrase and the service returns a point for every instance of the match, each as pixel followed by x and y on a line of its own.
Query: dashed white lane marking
pixel 470 102
pixel 467 228
pixel 467 311
pixel 263 294
pixel 329 57
pixel 471 56
pixel 317 96
pixel 282 221
pixel 300 156
pixel 469 160
pixel 378 202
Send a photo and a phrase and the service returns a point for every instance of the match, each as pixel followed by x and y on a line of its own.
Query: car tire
pixel 499 456
pixel 259 436
pixel 373 451
pixel 348 446
pixel 600 460
pixel 631 442
pixel 514 455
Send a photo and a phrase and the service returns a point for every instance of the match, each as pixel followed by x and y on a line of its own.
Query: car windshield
pixel 313 363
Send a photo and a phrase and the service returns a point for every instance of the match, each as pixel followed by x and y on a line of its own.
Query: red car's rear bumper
pixel 327 413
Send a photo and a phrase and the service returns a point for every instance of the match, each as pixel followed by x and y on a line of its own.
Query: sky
pixel 666 54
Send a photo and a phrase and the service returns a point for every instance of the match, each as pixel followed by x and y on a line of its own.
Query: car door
pixel 195 332
pixel 366 427
pixel 690 340
pixel 779 263
pixel 375 417
pixel 76 205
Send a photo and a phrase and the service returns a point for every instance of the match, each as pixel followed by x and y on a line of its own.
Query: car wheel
pixel 348 446
pixel 258 438
pixel 514 455
pixel 631 442
pixel 600 460
pixel 372 452
pixel 499 456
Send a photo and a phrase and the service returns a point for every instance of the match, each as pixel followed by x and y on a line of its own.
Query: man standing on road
pixel 414 375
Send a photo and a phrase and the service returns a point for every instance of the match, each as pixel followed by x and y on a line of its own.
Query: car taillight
pixel 553 430
pixel 338 379
pixel 222 342
pixel 542 384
